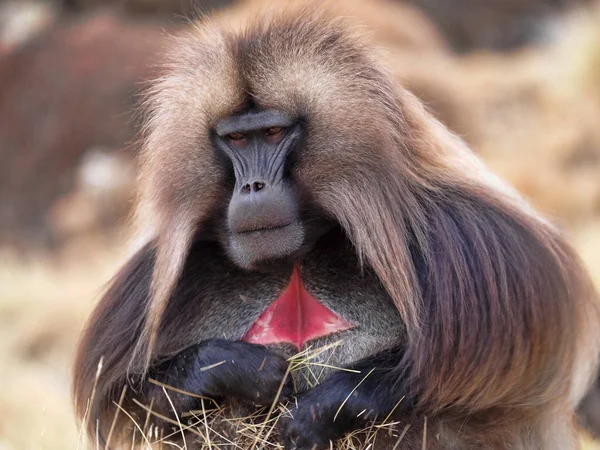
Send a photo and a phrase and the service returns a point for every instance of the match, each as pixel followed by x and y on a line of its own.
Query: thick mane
pixel 482 260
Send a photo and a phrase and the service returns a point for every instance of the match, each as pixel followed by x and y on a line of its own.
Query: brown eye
pixel 274 130
pixel 236 136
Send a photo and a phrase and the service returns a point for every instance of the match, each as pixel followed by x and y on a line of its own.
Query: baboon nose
pixel 254 186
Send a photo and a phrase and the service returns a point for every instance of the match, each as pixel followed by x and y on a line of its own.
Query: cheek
pixel 336 163
pixel 200 184
pixel 318 155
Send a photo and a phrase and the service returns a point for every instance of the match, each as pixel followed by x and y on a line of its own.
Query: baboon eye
pixel 274 130
pixel 236 136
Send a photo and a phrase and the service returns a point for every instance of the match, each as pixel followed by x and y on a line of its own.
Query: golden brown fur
pixel 392 24
pixel 504 339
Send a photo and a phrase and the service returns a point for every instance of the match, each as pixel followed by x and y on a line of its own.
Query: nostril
pixel 253 187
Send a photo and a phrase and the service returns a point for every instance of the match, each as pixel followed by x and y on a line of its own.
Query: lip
pixel 251 248
pixel 265 229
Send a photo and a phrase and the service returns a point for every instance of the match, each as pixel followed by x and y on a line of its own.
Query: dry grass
pixel 43 304
pixel 216 427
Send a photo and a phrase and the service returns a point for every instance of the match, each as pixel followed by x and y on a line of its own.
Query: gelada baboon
pixel 300 197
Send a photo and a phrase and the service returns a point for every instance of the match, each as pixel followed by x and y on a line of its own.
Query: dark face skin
pixel 265 217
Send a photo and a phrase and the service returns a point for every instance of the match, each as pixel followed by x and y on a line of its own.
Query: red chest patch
pixel 295 317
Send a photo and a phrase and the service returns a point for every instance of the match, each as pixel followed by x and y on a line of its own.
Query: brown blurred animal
pixel 168 8
pixel 67 92
pixel 496 24
pixel 285 170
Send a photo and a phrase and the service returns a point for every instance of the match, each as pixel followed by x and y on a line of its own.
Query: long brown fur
pixel 507 329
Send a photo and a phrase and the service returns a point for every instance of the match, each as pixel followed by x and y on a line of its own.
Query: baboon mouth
pixel 251 248
pixel 266 228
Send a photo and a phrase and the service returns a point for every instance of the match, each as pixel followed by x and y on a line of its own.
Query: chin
pixel 258 249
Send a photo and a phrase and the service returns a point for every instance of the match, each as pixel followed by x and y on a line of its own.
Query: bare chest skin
pixel 295 318
pixel 347 313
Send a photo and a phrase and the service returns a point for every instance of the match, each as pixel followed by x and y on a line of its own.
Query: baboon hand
pixel 224 369
pixel 345 402
pixel 313 423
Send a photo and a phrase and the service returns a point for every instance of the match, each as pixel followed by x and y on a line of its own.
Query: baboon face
pixel 266 219
pixel 265 155
pixel 282 147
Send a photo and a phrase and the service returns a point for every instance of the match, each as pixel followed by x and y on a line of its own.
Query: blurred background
pixel 519 80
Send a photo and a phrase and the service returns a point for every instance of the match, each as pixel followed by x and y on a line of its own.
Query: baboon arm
pixel 212 368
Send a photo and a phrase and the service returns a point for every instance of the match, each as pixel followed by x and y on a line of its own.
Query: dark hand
pixel 222 369
pixel 345 402
pixel 320 417
pixel 311 426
